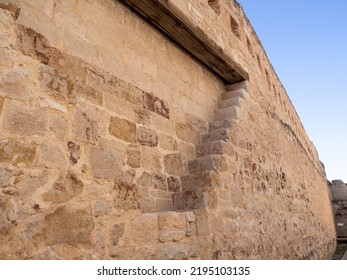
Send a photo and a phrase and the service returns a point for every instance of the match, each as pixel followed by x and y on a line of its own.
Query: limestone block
pixel 74 152
pixel 127 253
pixel 25 121
pixel 187 149
pixel 89 124
pixel 172 220
pixel 57 84
pixel 69 224
pixel 163 204
pixel 162 124
pixel 167 142
pixel 106 161
pixel 123 129
pixel 5 175
pixel 144 228
pixel 8 214
pixel 142 116
pixel 174 184
pixel 147 137
pixel 151 158
pixel 203 225
pixel 89 94
pixel 125 195
pixel 28 185
pixel 213 162
pixel 64 188
pixel 187 133
pixel 175 164
pixel 116 233
pixel 16 152
pixel 119 106
pixel 15 83
pixel 133 156
pixel 172 251
pixel 52 156
pixel 157 105
pixel 147 204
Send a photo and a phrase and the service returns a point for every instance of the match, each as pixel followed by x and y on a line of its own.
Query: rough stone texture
pixel 131 149
pixel 338 190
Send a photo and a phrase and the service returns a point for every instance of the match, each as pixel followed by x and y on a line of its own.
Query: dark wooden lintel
pixel 193 40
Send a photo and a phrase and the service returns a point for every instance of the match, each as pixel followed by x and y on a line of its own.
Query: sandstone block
pixel 151 158
pixel 58 126
pixel 147 204
pixel 187 133
pixel 64 188
pixel 187 149
pixel 74 152
pixel 163 204
pixel 175 164
pixel 69 224
pixel 89 124
pixel 116 233
pixel 174 184
pixel 167 142
pixel 16 152
pixel 125 195
pixel 212 162
pixel 119 106
pixel 172 220
pixel 106 162
pixel 8 214
pixel 123 129
pixel 202 222
pixel 15 84
pixel 155 104
pixel 51 156
pixel 2 101
pixel 89 94
pixel 101 208
pixel 133 156
pixel 142 116
pixel 25 121
pixel 144 228
pixel 172 251
pixel 153 180
pixel 147 137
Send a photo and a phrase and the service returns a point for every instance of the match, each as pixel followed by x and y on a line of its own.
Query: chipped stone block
pixel 144 228
pixel 133 156
pixel 147 137
pixel 175 164
pixel 123 129
pixel 187 149
pixel 8 214
pixel 51 156
pixel 163 204
pixel 26 121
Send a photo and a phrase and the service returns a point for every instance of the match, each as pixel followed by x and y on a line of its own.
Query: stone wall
pixel 338 191
pixel 118 144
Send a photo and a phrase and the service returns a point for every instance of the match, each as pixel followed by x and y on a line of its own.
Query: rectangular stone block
pixel 155 104
pixel 151 158
pixel 144 228
pixel 51 156
pixel 24 120
pixel 123 129
pixel 147 137
pixel 167 142
pixel 133 156
pixel 175 164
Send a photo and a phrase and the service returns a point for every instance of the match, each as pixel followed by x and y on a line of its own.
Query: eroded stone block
pixel 151 158
pixel 133 156
pixel 144 228
pixel 174 184
pixel 155 104
pixel 16 152
pixel 147 137
pixel 175 164
pixel 52 156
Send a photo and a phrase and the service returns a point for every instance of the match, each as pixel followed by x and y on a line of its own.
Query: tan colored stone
pixel 58 126
pixel 2 101
pixel 151 158
pixel 64 189
pixel 16 152
pixel 203 225
pixel 125 195
pixel 8 215
pixel 175 164
pixel 187 133
pixel 187 149
pixel 147 137
pixel 144 228
pixel 123 129
pixel 25 121
pixel 167 142
pixel 153 180
pixel 15 84
pixel 133 156
pixel 101 208
pixel 71 225
pixel 174 184
pixel 89 94
pixel 116 233
pixel 5 175
pixel 51 156
pixel 173 251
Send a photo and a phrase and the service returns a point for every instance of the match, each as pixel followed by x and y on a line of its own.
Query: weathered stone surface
pixel 16 152
pixel 71 225
pixel 25 121
pixel 8 215
pixel 123 129
pixel 116 232
pixel 51 156
pixel 5 175
pixel 174 184
pixel 155 104
pixel 173 251
pixel 154 180
pixel 133 156
pixel 172 226
pixel 75 152
pixel 106 160
pixel 144 228
pixel 147 137
pixel 64 188
pixel 126 195
pixel 175 164
pixel 151 158
pixel 15 84
pixel 58 126
pixel 2 100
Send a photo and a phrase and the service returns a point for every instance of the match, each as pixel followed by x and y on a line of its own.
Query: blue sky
pixel 306 42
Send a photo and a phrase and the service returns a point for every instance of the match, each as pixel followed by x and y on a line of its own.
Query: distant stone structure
pixel 153 129
pixel 338 191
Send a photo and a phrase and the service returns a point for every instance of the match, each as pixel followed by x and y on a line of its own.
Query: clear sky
pixel 306 42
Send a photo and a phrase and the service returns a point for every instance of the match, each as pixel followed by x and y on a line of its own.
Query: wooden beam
pixel 192 40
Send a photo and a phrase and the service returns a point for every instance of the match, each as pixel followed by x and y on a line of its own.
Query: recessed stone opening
pixel 235 28
pixel 215 6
